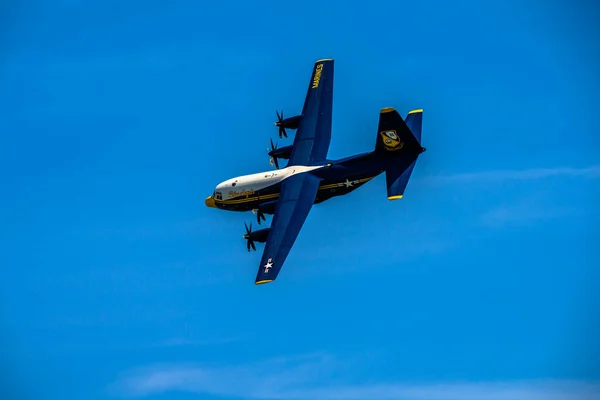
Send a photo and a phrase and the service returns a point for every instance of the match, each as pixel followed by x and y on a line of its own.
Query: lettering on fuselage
pixel 244 192
pixel 317 78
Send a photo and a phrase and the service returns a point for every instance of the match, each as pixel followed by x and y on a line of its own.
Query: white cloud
pixel 309 377
pixel 524 213
pixel 523 174
pixel 181 341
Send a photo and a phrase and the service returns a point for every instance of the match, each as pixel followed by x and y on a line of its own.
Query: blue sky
pixel 119 118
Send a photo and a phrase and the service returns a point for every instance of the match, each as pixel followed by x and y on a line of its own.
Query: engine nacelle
pixel 283 152
pixel 268 207
pixel 283 123
pixel 291 122
pixel 260 235
pixel 265 208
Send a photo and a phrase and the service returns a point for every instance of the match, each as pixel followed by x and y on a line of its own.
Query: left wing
pixel 296 198
pixel 313 136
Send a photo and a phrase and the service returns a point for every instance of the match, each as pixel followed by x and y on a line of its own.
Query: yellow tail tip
pixel 420 110
pixel 387 110
pixel 394 197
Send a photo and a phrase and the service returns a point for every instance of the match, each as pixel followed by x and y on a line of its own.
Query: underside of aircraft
pixel 309 177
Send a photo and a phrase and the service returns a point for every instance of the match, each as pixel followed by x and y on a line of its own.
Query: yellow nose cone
pixel 210 202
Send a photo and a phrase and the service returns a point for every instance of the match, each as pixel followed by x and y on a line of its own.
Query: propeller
pixel 273 159
pixel 259 215
pixel 248 237
pixel 279 123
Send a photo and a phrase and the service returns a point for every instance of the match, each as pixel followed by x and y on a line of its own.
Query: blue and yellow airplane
pixel 309 177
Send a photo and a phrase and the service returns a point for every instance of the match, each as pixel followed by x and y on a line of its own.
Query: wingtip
pixel 263 282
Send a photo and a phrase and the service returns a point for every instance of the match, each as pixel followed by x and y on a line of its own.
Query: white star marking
pixel 268 265
pixel 348 183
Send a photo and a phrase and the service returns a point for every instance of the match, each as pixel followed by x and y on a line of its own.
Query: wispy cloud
pixel 526 210
pixel 519 175
pixel 522 214
pixel 181 341
pixel 311 377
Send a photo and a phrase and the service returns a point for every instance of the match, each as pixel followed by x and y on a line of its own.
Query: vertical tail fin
pixel 394 136
pixel 399 144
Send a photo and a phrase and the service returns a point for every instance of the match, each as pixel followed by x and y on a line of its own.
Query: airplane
pixel 309 177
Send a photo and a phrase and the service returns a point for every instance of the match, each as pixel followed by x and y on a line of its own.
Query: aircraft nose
pixel 210 202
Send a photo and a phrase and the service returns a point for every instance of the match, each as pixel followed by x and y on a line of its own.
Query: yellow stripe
pixel 394 197
pixel 328 186
pixel 387 110
pixel 416 111
pixel 274 195
pixel 334 185
pixel 265 281
pixel 237 201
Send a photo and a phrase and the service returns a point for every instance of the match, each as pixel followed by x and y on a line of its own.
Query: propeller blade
pixel 260 215
pixel 276 163
pixel 282 132
pixel 248 237
pixel 279 123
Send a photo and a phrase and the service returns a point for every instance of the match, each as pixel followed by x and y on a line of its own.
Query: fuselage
pixel 261 190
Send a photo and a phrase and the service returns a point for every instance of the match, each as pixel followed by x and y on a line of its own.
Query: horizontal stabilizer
pixel 414 121
pixel 397 178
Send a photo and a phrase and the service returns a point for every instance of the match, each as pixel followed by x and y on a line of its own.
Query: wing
pixel 313 136
pixel 297 196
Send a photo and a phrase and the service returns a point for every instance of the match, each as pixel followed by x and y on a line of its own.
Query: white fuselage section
pixel 242 185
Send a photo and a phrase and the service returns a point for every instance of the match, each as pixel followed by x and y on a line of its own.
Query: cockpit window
pixel 234 183
pixel 218 196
